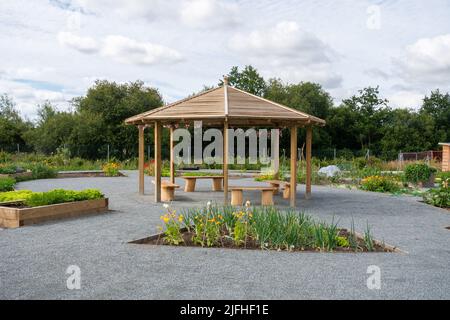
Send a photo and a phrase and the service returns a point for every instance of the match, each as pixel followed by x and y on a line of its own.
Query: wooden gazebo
pixel 223 107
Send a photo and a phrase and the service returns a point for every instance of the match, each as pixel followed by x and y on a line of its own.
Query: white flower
pixel 166 206
pixel 208 204
pixel 247 203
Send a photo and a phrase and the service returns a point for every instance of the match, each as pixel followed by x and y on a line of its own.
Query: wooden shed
pixel 445 156
pixel 222 107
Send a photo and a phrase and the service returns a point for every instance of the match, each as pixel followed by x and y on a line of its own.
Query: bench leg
pixel 237 197
pixel 286 192
pixel 267 198
pixel 217 184
pixel 167 194
pixel 190 185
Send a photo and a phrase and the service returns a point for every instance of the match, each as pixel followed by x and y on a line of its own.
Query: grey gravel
pixel 34 259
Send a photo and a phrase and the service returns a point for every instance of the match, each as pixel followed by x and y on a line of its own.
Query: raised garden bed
pixel 19 175
pixel 14 214
pixel 259 229
pixel 84 174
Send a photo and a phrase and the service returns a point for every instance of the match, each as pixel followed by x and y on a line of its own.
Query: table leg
pixel 237 197
pixel 286 192
pixel 167 194
pixel 267 198
pixel 217 184
pixel 190 185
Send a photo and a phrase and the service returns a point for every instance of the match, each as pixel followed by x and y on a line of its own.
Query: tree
pixel 12 127
pixel 105 108
pixel 437 105
pixel 248 80
pixel 53 129
pixel 371 112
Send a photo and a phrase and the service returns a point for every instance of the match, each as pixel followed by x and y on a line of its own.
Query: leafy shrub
pixel 379 184
pixel 444 176
pixel 439 197
pixel 368 172
pixel 61 196
pixel 7 184
pixel 418 172
pixel 41 171
pixel 111 169
pixel 7 169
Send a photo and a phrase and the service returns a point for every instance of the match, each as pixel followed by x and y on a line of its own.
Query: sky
pixel 55 49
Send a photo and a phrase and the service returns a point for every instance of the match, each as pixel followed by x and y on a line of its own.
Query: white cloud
pixel 406 99
pixel 122 49
pixel 126 50
pixel 289 52
pixel 82 44
pixel 427 60
pixel 209 13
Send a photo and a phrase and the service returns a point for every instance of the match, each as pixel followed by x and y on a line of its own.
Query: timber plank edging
pixel 11 217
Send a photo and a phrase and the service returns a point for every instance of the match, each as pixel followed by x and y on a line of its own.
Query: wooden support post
pixel 308 161
pixel 293 180
pixel 225 162
pixel 275 137
pixel 158 163
pixel 141 158
pixel 172 157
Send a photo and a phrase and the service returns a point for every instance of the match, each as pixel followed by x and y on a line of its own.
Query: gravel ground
pixel 34 259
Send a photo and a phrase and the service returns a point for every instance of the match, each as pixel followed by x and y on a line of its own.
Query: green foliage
pixel 199 174
pixel 111 169
pixel 248 80
pixel 56 196
pixel 379 184
pixel 269 227
pixel 418 172
pixel 40 171
pixel 7 169
pixel 7 184
pixel 15 195
pixel 368 239
pixel 172 227
pixel 439 197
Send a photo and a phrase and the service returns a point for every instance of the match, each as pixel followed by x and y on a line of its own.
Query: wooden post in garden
pixel 293 180
pixel 141 158
pixel 308 161
pixel 158 163
pixel 172 156
pixel 225 162
pixel 275 153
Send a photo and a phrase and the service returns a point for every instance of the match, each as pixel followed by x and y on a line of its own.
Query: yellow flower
pixel 180 218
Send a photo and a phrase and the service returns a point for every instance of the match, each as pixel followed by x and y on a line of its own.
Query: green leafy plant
pixel 7 169
pixel 418 172
pixel 41 171
pixel 7 184
pixel 439 197
pixel 15 195
pixel 380 184
pixel 56 196
pixel 172 226
pixel 368 239
pixel 111 169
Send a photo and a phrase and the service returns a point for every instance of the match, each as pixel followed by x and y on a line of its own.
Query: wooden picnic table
pixel 237 195
pixel 191 180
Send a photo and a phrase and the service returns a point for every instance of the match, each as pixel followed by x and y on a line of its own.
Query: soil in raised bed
pixel 252 244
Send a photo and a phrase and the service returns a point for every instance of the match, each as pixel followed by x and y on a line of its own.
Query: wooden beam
pixel 141 158
pixel 276 153
pixel 158 164
pixel 225 162
pixel 308 161
pixel 172 157
pixel 293 180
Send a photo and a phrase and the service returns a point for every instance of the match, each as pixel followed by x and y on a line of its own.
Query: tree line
pixel 364 121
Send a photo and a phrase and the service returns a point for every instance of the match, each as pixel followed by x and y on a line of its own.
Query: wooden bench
pixel 190 182
pixel 167 190
pixel 266 195
pixel 277 183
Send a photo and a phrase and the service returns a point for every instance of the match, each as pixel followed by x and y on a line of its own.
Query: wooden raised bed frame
pixel 13 217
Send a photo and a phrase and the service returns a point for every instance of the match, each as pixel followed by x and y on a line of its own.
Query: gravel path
pixel 34 259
